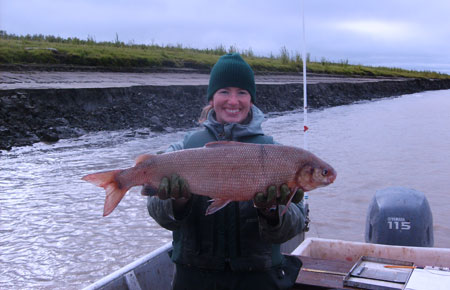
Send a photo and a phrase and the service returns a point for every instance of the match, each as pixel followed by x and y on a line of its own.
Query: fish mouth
pixel 332 178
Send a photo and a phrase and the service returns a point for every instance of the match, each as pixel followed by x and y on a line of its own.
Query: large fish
pixel 224 171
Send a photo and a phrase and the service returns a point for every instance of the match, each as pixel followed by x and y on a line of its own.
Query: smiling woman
pixel 231 89
pixel 237 247
pixel 231 105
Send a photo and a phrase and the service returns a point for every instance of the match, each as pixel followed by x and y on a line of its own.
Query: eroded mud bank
pixel 32 115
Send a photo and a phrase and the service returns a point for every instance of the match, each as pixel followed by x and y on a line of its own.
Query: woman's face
pixel 231 104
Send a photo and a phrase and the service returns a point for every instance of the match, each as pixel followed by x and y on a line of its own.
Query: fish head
pixel 314 174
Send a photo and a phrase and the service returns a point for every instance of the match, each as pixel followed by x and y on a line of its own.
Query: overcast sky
pixel 399 33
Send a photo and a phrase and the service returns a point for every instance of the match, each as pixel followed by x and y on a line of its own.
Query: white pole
pixel 305 95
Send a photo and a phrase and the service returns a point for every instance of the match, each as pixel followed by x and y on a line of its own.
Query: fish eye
pixel 325 172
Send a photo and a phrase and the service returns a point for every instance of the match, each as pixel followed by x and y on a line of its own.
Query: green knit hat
pixel 231 70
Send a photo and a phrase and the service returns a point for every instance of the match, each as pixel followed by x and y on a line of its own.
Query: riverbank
pixel 48 106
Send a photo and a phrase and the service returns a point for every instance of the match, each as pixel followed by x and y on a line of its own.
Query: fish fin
pixel 291 196
pixel 143 157
pixel 114 193
pixel 223 143
pixel 216 205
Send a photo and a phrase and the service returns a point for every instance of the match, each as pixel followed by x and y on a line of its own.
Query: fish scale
pixel 224 171
pixel 228 176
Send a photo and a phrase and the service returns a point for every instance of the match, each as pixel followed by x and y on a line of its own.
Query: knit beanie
pixel 231 70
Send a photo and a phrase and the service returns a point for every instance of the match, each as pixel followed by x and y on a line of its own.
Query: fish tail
pixel 114 191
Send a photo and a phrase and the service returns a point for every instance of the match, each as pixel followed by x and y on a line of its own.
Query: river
pixel 53 235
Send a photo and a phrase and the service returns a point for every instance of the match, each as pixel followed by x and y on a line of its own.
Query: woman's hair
pixel 204 113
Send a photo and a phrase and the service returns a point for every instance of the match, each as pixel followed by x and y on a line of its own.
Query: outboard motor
pixel 399 216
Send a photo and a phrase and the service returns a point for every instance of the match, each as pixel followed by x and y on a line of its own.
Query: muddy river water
pixel 53 235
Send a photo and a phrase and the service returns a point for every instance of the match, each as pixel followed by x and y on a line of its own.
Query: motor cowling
pixel 399 216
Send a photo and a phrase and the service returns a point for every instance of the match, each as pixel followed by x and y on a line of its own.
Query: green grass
pixel 50 50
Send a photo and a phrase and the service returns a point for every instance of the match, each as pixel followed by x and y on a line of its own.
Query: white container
pixel 351 251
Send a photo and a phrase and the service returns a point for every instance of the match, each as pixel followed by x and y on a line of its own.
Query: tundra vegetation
pixel 47 51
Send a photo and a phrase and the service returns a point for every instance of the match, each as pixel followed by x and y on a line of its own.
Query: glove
pixel 267 202
pixel 269 199
pixel 175 188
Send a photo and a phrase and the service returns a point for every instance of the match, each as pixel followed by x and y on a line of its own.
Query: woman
pixel 238 247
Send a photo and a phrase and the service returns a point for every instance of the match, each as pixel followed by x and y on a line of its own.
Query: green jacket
pixel 235 236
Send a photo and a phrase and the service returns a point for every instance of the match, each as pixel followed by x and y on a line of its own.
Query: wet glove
pixel 267 202
pixel 270 199
pixel 175 188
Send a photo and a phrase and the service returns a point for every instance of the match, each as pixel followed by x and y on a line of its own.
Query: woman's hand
pixel 267 202
pixel 271 198
pixel 175 188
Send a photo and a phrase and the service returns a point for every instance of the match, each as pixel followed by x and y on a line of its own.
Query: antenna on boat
pixel 305 108
pixel 305 95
